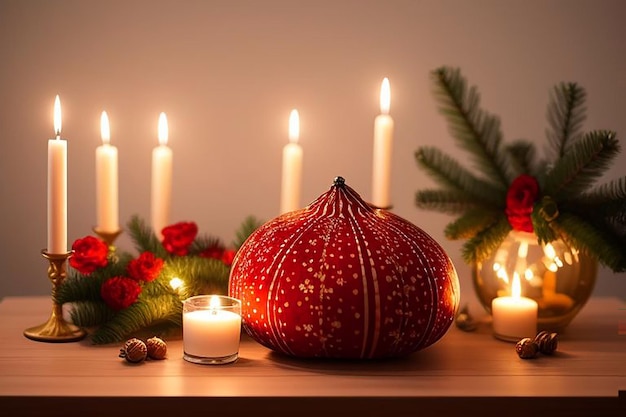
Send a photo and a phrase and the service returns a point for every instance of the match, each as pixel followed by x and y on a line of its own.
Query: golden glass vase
pixel 559 278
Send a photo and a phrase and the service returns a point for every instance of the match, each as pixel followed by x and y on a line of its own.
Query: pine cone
pixel 157 348
pixel 546 342
pixel 134 350
pixel 526 348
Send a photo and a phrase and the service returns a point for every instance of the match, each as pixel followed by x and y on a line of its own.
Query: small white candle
pixel 211 333
pixel 383 146
pixel 57 187
pixel 514 317
pixel 161 180
pixel 292 167
pixel 107 212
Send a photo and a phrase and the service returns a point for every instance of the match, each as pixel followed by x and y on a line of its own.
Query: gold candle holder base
pixel 107 237
pixel 56 329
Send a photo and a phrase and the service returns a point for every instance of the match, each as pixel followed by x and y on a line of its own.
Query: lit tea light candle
pixel 211 329
pixel 383 147
pixel 107 213
pixel 292 167
pixel 161 180
pixel 514 317
pixel 57 187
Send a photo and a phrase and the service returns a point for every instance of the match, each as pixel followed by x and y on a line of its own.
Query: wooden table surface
pixel 466 372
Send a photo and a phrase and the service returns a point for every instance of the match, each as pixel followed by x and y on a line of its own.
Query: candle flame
pixel 516 286
pixel 57 116
pixel 385 96
pixel 214 303
pixel 176 283
pixel 294 126
pixel 163 129
pixel 105 130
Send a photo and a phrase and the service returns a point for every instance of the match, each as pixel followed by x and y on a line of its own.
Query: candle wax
pixel 211 333
pixel 514 318
pixel 107 212
pixel 57 196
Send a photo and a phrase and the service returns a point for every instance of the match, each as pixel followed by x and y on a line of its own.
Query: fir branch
pixel 142 314
pixel 586 160
pixel 523 156
pixel 249 225
pixel 451 202
pixel 449 173
pixel 588 238
pixel 607 193
pixel 200 275
pixel 476 131
pixel 90 313
pixel 202 243
pixel 482 246
pixel 566 114
pixel 471 223
pixel 144 238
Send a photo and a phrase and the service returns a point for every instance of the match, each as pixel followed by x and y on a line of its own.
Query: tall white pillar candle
pixel 57 187
pixel 161 180
pixel 383 147
pixel 514 317
pixel 107 212
pixel 292 167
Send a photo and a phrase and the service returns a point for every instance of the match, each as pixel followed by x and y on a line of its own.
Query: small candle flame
pixel 214 303
pixel 516 286
pixel 176 283
pixel 385 96
pixel 105 130
pixel 57 116
pixel 163 129
pixel 294 126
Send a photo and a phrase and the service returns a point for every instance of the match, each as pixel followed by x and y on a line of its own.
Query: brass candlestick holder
pixel 56 329
pixel 108 237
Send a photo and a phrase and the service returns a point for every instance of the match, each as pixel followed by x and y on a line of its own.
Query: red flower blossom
pixel 228 256
pixel 215 252
pixel 520 199
pixel 90 253
pixel 145 268
pixel 120 292
pixel 178 237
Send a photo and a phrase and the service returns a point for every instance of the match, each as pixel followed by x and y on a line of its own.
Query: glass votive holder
pixel 211 329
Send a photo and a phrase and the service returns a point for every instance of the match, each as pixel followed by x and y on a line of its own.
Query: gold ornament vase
pixel 558 277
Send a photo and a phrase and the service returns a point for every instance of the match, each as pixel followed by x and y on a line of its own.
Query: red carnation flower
pixel 178 237
pixel 120 292
pixel 228 257
pixel 145 268
pixel 215 252
pixel 520 199
pixel 90 253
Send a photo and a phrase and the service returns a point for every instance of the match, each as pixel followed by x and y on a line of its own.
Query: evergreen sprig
pixel 569 206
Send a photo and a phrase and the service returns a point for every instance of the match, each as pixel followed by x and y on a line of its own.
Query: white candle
pixel 211 331
pixel 107 213
pixel 161 179
pixel 292 167
pixel 383 146
pixel 514 317
pixel 57 187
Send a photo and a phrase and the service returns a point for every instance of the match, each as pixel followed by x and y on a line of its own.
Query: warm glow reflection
pixel 294 126
pixel 214 303
pixel 163 130
pixel 176 283
pixel 105 131
pixel 516 286
pixel 57 116
pixel 528 274
pixel 385 96
pixel 549 251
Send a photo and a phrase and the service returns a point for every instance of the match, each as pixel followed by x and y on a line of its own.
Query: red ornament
pixel 340 279
pixel 520 199
pixel 178 237
pixel 120 292
pixel 90 253
pixel 145 268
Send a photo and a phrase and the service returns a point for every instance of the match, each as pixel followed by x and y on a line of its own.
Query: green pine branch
pixel 90 313
pixel 202 243
pixel 451 202
pixel 523 156
pixel 476 131
pixel 143 314
pixel 249 225
pixel 566 114
pixel 471 223
pixel 199 275
pixel 483 245
pixel 144 238
pixel 584 163
pixel 449 173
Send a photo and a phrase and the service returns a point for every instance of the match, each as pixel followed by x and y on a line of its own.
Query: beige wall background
pixel 227 73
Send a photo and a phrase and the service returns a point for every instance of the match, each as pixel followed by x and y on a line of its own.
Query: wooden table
pixel 472 373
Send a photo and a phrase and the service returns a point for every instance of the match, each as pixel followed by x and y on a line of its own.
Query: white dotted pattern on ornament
pixel 344 280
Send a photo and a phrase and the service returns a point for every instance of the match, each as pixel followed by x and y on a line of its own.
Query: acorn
pixel 157 348
pixel 547 342
pixel 134 350
pixel 526 348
